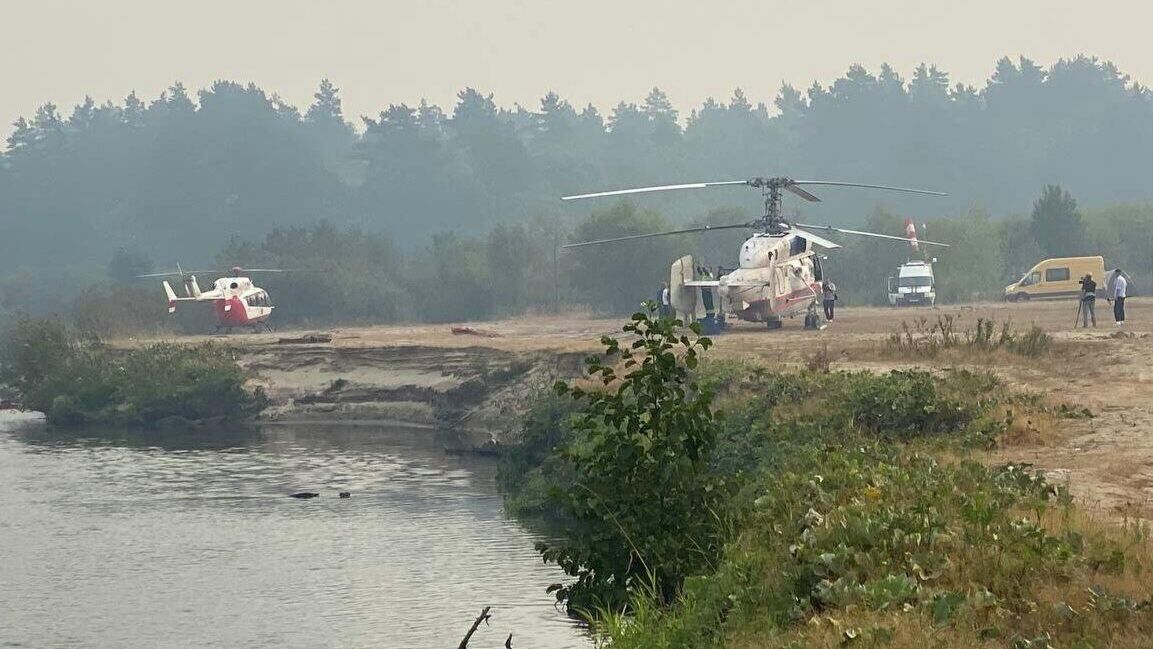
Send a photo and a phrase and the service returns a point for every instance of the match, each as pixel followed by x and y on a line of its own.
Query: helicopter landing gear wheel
pixel 813 318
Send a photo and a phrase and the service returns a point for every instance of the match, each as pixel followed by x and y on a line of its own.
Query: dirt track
pixel 1108 458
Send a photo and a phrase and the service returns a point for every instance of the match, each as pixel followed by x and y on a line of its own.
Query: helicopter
pixel 237 301
pixel 779 274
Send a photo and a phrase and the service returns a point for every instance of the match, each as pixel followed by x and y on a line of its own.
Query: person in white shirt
pixel 666 303
pixel 1120 287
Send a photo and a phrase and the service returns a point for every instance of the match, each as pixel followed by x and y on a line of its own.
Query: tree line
pixel 454 213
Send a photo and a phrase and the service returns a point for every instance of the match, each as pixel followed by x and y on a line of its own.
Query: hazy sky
pixel 595 51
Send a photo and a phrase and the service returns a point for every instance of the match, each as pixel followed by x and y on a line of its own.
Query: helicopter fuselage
pixel 235 300
pixel 779 276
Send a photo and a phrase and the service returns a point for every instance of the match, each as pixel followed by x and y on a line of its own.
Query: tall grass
pixel 926 339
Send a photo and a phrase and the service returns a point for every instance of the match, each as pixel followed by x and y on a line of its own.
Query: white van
pixel 913 285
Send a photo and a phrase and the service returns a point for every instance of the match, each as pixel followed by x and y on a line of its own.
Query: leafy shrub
pixel 75 383
pixel 533 466
pixel 905 404
pixel 640 456
pixel 851 533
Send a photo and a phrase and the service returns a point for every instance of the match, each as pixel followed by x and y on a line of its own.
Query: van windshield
pixel 915 280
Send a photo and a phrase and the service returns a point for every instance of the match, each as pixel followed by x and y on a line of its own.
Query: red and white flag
pixel 911 233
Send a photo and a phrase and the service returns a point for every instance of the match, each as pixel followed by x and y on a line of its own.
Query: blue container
pixel 712 325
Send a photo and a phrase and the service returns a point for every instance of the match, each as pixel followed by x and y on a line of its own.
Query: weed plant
pixel 926 339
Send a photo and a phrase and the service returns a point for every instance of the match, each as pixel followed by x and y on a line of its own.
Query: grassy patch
pixel 854 514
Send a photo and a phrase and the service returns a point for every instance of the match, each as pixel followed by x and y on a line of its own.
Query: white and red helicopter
pixel 779 273
pixel 237 301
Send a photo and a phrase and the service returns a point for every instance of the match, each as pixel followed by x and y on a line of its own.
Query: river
pixel 158 541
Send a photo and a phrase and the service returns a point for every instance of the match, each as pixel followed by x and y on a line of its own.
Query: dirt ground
pixel 1107 459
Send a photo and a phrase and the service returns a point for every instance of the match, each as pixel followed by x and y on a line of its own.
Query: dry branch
pixel 483 617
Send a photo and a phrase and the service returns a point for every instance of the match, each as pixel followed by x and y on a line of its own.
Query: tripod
pixel 1084 312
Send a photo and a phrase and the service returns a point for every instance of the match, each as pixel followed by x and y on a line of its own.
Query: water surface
pixel 152 542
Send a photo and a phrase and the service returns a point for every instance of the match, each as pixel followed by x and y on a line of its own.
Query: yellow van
pixel 1058 277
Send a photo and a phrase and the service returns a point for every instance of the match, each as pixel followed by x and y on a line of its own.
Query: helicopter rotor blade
pixel 812 238
pixel 835 183
pixel 802 193
pixel 181 273
pixel 829 228
pixel 631 237
pixel 659 188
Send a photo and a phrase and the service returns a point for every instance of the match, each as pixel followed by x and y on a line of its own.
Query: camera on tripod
pixel 1088 287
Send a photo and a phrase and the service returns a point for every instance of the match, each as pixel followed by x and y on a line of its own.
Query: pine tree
pixel 328 107
pixel 1056 223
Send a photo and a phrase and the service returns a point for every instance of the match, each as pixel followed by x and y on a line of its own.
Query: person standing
pixel 1120 289
pixel 829 289
pixel 1088 300
pixel 666 302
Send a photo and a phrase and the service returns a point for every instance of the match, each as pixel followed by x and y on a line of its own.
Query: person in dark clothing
pixel 829 291
pixel 1088 300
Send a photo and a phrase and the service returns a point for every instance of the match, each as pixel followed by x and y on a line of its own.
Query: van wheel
pixel 1023 297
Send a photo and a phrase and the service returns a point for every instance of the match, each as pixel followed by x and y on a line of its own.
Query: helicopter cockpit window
pixel 798 246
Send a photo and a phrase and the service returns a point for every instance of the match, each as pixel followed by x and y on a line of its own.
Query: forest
pixel 453 213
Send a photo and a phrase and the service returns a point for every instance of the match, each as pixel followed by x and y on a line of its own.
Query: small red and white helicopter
pixel 237 301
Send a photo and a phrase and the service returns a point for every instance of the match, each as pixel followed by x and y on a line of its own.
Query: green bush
pixel 533 466
pixel 905 404
pixel 640 457
pixel 76 383
pixel 876 529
